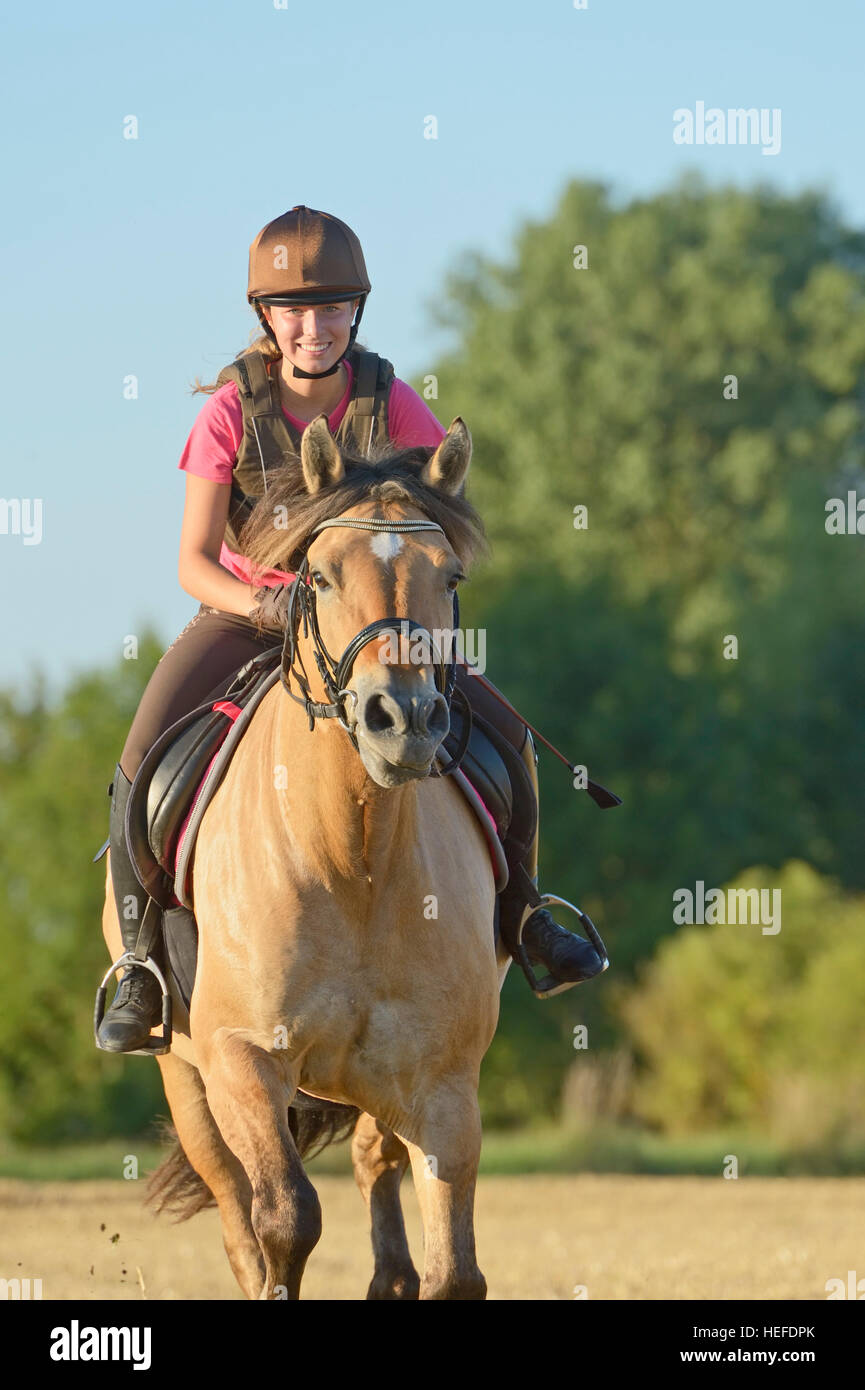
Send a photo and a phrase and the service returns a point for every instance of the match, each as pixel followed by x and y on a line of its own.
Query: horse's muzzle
pixel 398 731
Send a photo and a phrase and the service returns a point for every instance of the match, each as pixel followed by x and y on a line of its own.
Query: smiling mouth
pixel 314 349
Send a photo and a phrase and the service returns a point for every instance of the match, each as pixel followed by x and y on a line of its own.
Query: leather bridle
pixel 335 674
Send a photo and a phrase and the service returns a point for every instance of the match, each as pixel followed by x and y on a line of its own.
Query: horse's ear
pixel 449 464
pixel 319 456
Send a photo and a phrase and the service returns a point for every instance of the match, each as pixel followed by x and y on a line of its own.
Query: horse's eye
pixel 454 581
pixel 319 580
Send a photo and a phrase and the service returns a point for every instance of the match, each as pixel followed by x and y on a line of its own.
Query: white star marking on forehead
pixel 386 544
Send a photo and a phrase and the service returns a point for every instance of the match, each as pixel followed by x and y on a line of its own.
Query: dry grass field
pixel 538 1237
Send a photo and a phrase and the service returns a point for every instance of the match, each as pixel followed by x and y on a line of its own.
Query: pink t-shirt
pixel 211 449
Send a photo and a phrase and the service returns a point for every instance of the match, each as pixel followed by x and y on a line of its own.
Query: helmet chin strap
pixel 329 371
pixel 298 371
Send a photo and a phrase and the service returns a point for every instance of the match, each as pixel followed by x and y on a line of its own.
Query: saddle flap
pixel 175 780
pixel 168 779
pixel 497 772
pixel 485 768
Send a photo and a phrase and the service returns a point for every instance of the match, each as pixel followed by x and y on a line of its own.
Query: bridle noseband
pixel 336 674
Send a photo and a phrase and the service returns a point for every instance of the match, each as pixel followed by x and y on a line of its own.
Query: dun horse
pixel 345 906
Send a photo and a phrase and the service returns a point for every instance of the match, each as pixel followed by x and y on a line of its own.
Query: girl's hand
pixel 271 608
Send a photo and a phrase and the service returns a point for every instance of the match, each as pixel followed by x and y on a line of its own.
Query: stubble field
pixel 539 1237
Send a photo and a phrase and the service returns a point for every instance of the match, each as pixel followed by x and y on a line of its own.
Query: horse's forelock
pixel 391 491
pixel 282 522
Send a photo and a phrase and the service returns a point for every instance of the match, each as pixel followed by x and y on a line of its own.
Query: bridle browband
pixel 336 674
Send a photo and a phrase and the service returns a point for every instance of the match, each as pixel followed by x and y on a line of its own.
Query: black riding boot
pixel 567 957
pixel 137 1005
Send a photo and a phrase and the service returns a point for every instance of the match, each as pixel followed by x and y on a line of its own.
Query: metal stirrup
pixel 549 985
pixel 158 1045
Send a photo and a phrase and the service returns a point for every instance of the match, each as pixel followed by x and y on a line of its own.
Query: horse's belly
pixel 381 1049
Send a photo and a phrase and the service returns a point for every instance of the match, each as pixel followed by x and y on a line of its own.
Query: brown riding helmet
pixel 307 257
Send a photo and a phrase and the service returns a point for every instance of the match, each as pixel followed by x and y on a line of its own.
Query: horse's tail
pixel 177 1189
pixel 316 1123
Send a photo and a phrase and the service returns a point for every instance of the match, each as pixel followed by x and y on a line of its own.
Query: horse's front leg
pixel 249 1095
pixel 380 1161
pixel 444 1159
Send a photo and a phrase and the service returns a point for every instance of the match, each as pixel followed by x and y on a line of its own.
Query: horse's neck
pixel 340 821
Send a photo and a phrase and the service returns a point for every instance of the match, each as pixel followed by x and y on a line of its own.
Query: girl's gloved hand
pixel 271 608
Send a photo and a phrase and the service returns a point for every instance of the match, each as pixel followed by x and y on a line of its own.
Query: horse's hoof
pixel 404 1288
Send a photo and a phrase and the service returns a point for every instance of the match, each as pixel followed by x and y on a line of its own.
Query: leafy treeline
pixel 610 388
pixel 56 762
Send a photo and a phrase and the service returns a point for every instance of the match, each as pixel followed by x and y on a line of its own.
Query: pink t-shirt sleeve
pixel 211 449
pixel 409 419
pixel 210 452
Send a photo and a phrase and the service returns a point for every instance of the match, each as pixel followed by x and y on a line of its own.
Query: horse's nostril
pixel 377 717
pixel 438 719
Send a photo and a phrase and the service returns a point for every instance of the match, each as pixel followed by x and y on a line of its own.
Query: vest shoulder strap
pixel 367 410
pixel 254 385
pixel 267 437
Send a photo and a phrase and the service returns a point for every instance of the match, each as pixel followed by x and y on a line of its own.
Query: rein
pixel 335 674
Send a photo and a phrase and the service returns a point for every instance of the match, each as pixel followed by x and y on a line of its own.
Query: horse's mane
pixel 281 523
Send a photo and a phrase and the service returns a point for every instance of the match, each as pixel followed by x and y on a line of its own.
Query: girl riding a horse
pixel 308 284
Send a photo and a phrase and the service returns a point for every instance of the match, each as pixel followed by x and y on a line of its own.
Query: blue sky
pixel 129 256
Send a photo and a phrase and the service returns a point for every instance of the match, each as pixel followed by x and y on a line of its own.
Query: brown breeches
pixel 211 647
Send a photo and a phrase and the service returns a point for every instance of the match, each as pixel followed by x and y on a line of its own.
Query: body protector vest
pixel 268 436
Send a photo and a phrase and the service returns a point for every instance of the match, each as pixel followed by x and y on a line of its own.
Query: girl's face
pixel 311 336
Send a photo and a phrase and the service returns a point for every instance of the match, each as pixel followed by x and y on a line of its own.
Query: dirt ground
pixel 538 1238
